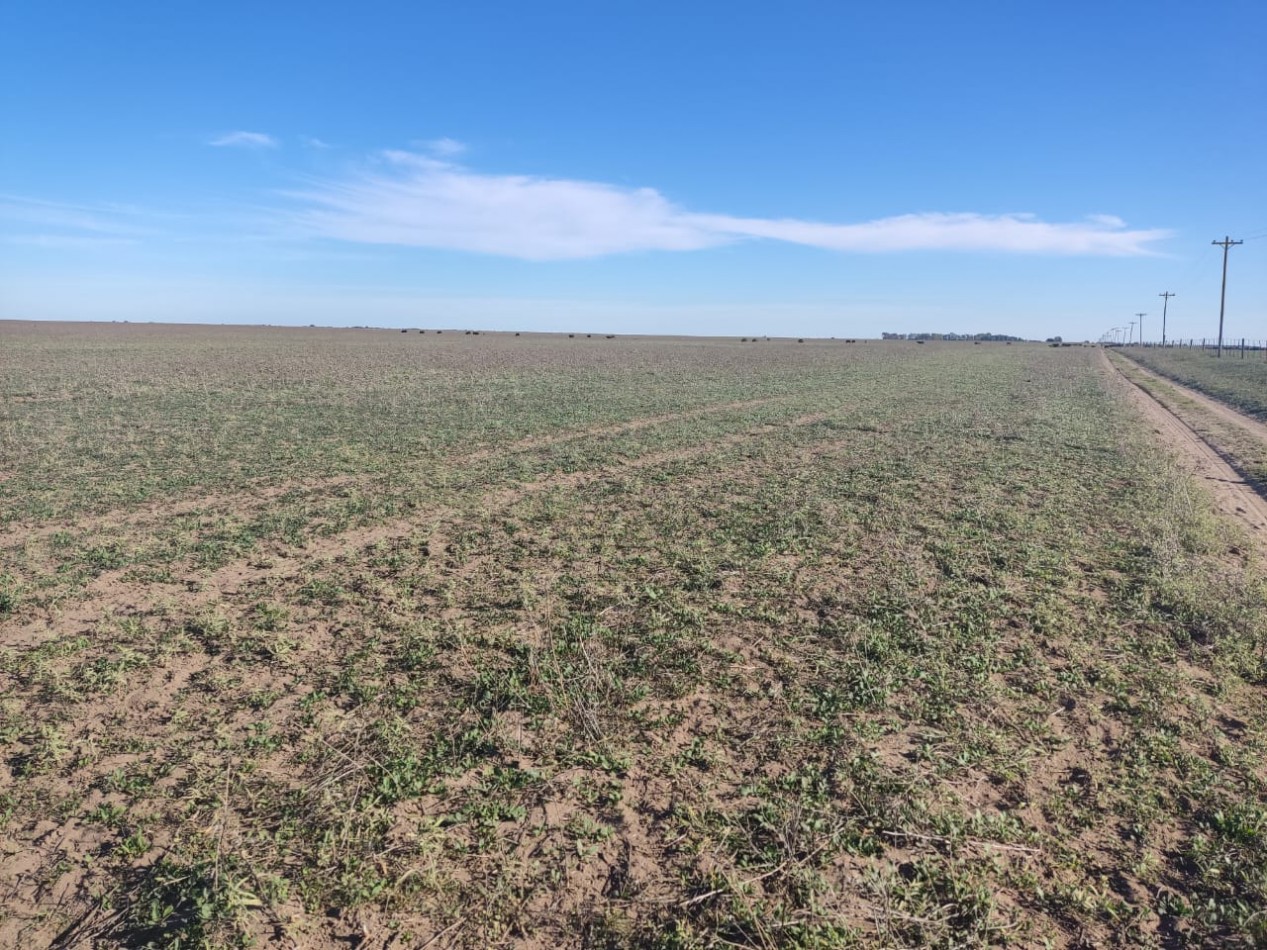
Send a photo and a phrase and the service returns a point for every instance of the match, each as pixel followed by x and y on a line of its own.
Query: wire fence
pixel 1243 347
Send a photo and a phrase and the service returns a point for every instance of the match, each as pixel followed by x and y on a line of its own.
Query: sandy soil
pixel 1233 495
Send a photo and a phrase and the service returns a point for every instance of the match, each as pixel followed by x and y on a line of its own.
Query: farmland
pixel 323 638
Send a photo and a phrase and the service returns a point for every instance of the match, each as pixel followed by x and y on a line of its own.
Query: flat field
pixel 318 638
pixel 1241 383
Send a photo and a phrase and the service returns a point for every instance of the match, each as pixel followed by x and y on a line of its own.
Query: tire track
pixel 1225 412
pixel 108 595
pixel 259 497
pixel 1235 497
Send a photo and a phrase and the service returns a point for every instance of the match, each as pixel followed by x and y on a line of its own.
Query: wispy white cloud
pixel 964 231
pixel 442 147
pixel 425 202
pixel 407 198
pixel 65 241
pixel 241 139
pixel 35 222
pixel 311 141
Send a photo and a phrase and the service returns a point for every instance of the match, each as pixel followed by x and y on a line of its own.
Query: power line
pixel 1227 244
pixel 1165 303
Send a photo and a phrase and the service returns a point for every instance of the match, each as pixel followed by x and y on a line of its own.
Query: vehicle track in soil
pixel 1222 410
pixel 109 595
pixel 249 498
pixel 1234 496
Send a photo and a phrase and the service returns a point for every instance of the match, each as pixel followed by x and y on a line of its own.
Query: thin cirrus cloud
pixel 444 147
pixel 422 200
pixel 59 242
pixel 35 222
pixel 241 139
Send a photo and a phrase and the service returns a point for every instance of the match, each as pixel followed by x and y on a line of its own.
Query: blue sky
pixel 834 169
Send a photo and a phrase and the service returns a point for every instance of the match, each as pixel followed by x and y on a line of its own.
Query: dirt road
pixel 1233 495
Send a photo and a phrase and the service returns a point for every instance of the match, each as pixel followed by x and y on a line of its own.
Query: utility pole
pixel 1226 244
pixel 1164 304
pixel 1141 326
pixel 1130 334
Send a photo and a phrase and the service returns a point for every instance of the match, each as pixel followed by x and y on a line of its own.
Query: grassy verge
pixel 1241 383
pixel 1246 450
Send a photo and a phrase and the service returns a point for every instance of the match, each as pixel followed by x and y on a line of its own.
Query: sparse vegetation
pixel 318 636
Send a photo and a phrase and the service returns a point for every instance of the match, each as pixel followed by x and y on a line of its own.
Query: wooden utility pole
pixel 1141 327
pixel 1130 334
pixel 1164 304
pixel 1226 244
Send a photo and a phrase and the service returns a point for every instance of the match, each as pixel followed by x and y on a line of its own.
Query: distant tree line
pixel 988 337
